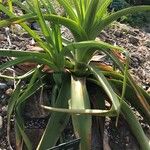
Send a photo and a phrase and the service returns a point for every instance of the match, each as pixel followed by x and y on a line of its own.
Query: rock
pixel 147 44
pixel 1 122
pixel 2 37
pixel 148 90
pixel 118 34
pixel 3 86
pixel 10 82
pixel 136 31
pixel 9 91
pixel 133 32
pixel 135 61
pixel 4 110
pixel 133 40
pixel 35 26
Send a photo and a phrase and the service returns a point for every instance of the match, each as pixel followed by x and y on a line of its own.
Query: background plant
pixel 139 19
pixel 72 69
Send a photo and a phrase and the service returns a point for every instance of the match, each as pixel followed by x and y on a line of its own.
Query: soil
pixel 136 41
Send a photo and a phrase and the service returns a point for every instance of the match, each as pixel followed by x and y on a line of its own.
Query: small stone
pixel 10 82
pixel 136 31
pixel 147 44
pixel 25 35
pixel 35 26
pixel 32 42
pixel 3 86
pixel 118 34
pixel 133 40
pixel 9 91
pixel 148 90
pixel 133 33
pixel 1 122
pixel 4 109
pixel 2 37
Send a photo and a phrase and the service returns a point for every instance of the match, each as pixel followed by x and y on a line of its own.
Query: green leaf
pixel 41 58
pixel 90 15
pixel 139 94
pixel 75 28
pixel 131 97
pixel 102 11
pixel 107 87
pixel 30 90
pixel 22 6
pixel 29 73
pixel 57 121
pixel 82 123
pixel 86 49
pixel 135 126
pixel 12 63
pixel 12 101
pixel 69 10
pixel 49 6
pixel 44 27
pixel 20 129
pixel 78 9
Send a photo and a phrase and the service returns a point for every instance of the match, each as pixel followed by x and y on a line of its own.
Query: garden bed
pixel 136 41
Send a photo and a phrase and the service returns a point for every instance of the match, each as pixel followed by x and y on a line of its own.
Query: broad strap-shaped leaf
pixel 139 94
pixel 131 97
pixel 93 112
pixel 44 27
pixel 49 6
pixel 26 75
pixel 102 9
pixel 12 63
pixel 90 15
pixel 41 58
pixel 126 111
pixel 78 10
pixel 69 10
pixel 101 13
pixel 22 6
pixel 76 29
pixel 31 88
pixel 93 44
pixel 135 126
pixel 11 107
pixel 34 84
pixel 57 121
pixel 107 87
pixel 20 131
pixel 79 100
pixel 86 49
pixel 19 53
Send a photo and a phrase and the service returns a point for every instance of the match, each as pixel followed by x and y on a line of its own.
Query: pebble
pixel 9 91
pixel 133 33
pixel 1 122
pixel 147 44
pixel 133 40
pixel 4 109
pixel 118 34
pixel 2 37
pixel 148 90
pixel 35 26
pixel 3 86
